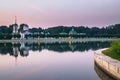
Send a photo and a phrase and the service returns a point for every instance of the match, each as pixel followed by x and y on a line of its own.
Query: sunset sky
pixel 49 13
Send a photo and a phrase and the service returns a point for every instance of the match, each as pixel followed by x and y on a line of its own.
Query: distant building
pixel 15 27
pixel 72 32
pixel 63 33
pixel 24 31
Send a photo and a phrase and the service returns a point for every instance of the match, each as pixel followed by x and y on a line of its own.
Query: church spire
pixel 15 26
pixel 15 20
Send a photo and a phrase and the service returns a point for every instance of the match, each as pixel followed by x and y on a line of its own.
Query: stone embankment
pixel 108 64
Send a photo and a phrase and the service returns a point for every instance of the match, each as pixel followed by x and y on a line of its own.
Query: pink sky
pixel 49 13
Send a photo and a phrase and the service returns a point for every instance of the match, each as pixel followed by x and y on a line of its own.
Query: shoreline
pixel 107 64
pixel 53 40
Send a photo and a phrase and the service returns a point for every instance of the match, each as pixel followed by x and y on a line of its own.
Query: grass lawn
pixel 114 51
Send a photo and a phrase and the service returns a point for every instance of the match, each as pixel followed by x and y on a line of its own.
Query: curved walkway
pixel 109 65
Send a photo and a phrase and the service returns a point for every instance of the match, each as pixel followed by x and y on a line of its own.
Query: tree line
pixel 64 32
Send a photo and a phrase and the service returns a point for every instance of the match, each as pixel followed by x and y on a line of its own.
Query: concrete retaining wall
pixel 109 65
pixel 102 74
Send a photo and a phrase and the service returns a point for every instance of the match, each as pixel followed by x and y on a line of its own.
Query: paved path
pixel 52 40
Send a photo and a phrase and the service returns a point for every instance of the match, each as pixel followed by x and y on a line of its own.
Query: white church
pixel 23 31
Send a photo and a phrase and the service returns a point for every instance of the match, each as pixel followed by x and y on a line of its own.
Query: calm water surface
pixel 49 61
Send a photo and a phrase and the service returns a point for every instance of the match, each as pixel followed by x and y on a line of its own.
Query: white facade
pixel 25 28
pixel 23 34
pixel 15 29
pixel 15 26
pixel 25 31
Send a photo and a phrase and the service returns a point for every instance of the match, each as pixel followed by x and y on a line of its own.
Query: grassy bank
pixel 114 50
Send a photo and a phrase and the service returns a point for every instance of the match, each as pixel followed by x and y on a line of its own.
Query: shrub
pixel 116 47
pixel 114 51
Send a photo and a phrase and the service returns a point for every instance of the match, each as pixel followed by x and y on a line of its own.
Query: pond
pixel 49 61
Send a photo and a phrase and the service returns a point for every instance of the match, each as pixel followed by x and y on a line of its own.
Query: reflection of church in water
pixel 19 51
pixel 22 50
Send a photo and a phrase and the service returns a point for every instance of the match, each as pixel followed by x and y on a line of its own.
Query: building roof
pixel 72 31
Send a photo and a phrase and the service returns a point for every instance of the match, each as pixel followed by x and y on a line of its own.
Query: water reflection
pixel 22 49
pixel 45 61
pixel 102 74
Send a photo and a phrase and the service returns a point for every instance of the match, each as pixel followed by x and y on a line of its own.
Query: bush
pixel 114 51
pixel 116 47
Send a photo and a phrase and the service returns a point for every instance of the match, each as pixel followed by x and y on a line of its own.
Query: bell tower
pixel 15 26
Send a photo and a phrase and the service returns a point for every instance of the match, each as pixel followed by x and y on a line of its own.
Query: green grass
pixel 113 51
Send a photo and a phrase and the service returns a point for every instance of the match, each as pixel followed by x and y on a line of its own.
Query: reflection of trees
pixel 82 46
pixel 5 48
pixel 10 48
